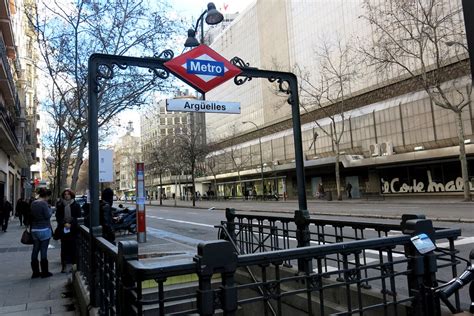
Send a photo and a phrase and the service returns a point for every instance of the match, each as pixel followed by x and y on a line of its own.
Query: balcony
pixel 6 22
pixel 7 85
pixel 8 139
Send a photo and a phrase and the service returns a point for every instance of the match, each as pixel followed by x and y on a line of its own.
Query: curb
pixel 397 217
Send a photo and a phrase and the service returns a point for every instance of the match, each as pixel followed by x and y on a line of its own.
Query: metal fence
pixel 261 281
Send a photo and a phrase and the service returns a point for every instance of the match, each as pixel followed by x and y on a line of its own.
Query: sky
pixel 191 9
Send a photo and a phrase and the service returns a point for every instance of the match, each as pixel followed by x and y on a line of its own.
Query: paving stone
pixel 49 303
pixel 13 308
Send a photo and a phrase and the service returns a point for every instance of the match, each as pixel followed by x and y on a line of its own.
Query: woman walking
pixel 41 232
pixel 67 213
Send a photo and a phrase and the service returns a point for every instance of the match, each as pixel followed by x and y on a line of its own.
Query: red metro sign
pixel 202 68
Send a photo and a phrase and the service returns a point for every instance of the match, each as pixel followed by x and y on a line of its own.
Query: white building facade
pixel 395 135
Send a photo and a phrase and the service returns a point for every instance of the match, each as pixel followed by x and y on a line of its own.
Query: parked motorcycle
pixel 124 219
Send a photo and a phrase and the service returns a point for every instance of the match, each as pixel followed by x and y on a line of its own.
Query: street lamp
pixel 261 156
pixel 213 17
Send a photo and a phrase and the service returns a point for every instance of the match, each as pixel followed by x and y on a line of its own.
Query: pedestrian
pixel 349 190
pixel 67 213
pixel 41 232
pixel 21 210
pixel 5 213
pixel 321 191
pixel 106 215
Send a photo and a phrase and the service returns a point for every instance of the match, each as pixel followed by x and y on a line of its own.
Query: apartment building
pixel 159 125
pixel 18 103
pixel 127 152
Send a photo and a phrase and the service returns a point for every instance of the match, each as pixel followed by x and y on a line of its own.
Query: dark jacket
pixel 75 214
pixel 106 210
pixel 22 208
pixel 5 209
pixel 40 214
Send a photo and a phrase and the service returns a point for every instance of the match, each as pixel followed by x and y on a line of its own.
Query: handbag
pixel 57 234
pixel 26 237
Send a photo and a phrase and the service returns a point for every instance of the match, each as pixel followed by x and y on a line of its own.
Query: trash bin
pixel 329 195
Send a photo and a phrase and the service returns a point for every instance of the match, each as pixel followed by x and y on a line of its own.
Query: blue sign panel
pixel 205 67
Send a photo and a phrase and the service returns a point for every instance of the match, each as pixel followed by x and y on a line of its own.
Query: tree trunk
pixel 78 164
pixel 338 176
pixel 215 187
pixel 65 166
pixel 193 188
pixel 161 191
pixel 462 157
pixel 175 190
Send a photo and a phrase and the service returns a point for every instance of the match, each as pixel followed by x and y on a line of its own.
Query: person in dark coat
pixel 41 232
pixel 67 213
pixel 5 213
pixel 22 210
pixel 106 214
pixel 349 190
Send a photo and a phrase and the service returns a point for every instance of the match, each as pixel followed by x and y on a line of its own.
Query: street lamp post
pixel 213 17
pixel 261 156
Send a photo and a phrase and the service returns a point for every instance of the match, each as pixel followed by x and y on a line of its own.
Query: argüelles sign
pixel 202 68
pixel 182 105
pixel 395 186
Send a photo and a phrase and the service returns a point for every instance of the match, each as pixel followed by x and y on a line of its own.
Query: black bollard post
pixel 127 250
pixel 216 257
pixel 94 275
pixel 303 237
pixel 423 267
pixel 230 217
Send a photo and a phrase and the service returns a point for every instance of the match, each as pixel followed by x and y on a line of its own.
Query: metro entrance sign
pixel 202 68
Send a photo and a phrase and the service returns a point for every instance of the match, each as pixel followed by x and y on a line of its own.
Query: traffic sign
pixel 202 68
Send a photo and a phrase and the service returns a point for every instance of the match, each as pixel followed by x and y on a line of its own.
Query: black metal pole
pixel 299 160
pixel 93 141
pixel 93 173
pixel 468 11
pixel 100 69
pixel 58 173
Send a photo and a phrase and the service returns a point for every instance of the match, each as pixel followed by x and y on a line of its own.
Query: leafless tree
pixel 212 163
pixel 159 158
pixel 416 39
pixel 191 145
pixel 68 33
pixel 235 153
pixel 328 92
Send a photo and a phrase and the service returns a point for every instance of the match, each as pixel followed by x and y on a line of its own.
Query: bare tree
pixel 68 33
pixel 159 159
pixel 191 145
pixel 235 153
pixel 416 39
pixel 328 93
pixel 212 163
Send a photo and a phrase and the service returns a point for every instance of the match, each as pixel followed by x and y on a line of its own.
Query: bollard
pixel 95 232
pixel 423 267
pixel 230 218
pixel 216 257
pixel 127 250
pixel 303 237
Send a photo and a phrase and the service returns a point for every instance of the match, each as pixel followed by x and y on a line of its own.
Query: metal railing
pixel 128 286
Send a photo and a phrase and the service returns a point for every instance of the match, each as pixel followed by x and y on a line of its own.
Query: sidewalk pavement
pixel 21 295
pixel 436 209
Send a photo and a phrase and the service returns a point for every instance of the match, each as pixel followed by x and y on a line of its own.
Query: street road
pixel 451 209
pixel 185 228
